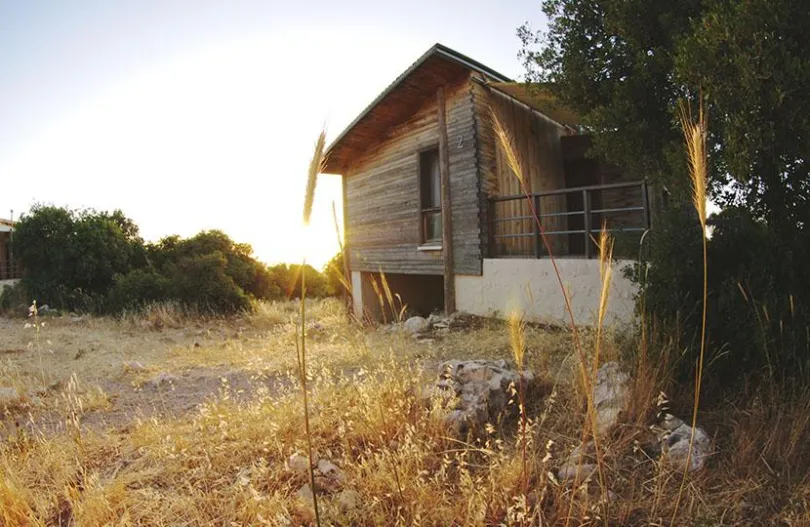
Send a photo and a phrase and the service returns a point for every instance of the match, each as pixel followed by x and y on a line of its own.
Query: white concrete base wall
pixel 531 286
pixel 357 293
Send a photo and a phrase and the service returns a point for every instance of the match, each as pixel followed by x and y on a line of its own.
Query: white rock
pixel 298 463
pixel 348 500
pixel 610 396
pixel 134 366
pixel 8 395
pixel 675 446
pixel 483 389
pixel 416 325
pixel 305 493
pixel 162 379
pixel 570 473
pixel 329 469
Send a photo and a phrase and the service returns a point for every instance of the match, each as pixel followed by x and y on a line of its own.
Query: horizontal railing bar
pixel 556 192
pixel 514 218
pixel 518 235
pixel 626 209
pixel 579 231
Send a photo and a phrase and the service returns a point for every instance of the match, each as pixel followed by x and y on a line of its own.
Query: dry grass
pixel 223 463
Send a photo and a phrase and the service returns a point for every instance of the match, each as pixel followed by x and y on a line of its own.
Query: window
pixel 430 196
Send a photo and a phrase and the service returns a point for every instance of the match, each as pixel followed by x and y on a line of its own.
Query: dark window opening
pixel 430 196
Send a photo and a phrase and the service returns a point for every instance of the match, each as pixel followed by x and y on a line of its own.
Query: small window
pixel 430 196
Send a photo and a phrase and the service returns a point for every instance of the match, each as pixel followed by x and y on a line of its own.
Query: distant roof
pixel 403 96
pixel 540 98
pixel 6 225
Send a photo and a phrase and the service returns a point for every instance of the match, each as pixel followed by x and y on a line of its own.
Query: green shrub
pixel 14 299
pixel 288 277
pixel 137 289
pixel 759 291
pixel 71 258
pixel 95 262
pixel 202 282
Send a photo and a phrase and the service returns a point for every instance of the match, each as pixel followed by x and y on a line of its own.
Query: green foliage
pixel 288 276
pixel 202 281
pixel 334 271
pixel 138 288
pixel 71 258
pixel 96 262
pixel 14 299
pixel 758 314
pixel 248 274
pixel 624 65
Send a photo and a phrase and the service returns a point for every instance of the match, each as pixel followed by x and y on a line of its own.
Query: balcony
pixel 571 220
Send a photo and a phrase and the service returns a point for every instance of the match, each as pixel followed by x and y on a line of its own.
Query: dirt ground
pixel 117 371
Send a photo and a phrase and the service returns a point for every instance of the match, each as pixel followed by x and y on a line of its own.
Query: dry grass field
pixel 166 419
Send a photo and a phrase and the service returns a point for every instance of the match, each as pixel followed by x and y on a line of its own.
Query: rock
pixel 298 463
pixel 416 325
pixel 8 395
pixel 162 379
pixel 134 366
pixel 675 446
pixel 582 461
pixel 329 469
pixel 610 396
pixel 348 500
pixel 483 391
pixel 44 308
pixel 305 493
pixel 578 473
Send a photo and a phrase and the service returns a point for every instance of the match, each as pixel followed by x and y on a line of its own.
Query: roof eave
pixel 436 49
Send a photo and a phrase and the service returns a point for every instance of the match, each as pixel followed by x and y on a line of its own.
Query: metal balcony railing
pixel 570 218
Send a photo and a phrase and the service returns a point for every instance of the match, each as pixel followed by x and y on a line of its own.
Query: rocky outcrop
pixel 482 391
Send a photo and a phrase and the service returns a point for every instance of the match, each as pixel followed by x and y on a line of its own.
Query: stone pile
pixel 484 391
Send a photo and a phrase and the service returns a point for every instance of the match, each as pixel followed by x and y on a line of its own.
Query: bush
pixel 202 282
pixel 71 258
pixel 288 277
pixel 14 299
pixel 136 289
pixel 334 272
pixel 757 319
pixel 96 262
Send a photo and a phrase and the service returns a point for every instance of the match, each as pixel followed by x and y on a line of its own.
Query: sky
pixel 193 115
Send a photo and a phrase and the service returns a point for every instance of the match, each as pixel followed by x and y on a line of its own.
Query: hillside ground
pixel 169 419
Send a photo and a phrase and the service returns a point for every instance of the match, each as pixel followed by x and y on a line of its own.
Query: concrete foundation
pixel 531 286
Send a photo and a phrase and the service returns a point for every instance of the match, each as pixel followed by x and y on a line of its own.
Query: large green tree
pixel 624 65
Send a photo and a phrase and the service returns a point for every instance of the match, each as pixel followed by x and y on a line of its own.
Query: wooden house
pixel 431 203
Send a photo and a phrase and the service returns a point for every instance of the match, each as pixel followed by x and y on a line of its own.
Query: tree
pixel 625 65
pixel 71 258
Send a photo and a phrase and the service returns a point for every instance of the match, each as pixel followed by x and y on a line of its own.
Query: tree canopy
pixel 624 66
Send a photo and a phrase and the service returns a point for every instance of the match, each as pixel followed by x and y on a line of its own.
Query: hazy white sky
pixel 192 115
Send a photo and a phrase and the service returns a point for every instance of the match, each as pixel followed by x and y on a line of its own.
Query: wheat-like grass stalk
pixel 507 143
pixel 517 341
pixel 513 159
pixel 605 245
pixel 695 132
pixel 315 167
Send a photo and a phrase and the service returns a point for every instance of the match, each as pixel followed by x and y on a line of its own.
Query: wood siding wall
pixel 382 192
pixel 538 144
